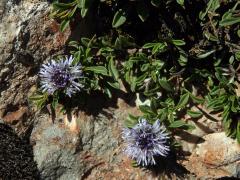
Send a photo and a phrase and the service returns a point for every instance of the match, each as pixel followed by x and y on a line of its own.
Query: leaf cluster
pixel 174 53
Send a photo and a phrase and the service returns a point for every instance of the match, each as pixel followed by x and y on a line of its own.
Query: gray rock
pixel 83 147
pixel 218 156
pixel 206 124
pixel 55 150
pixel 28 38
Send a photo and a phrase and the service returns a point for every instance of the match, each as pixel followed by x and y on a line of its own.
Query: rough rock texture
pixel 83 146
pixel 218 156
pixel 206 124
pixel 28 37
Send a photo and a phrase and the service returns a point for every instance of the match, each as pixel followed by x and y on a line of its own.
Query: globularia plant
pixel 145 142
pixel 175 53
pixel 61 75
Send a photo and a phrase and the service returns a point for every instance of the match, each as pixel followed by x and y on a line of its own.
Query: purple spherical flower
pixel 61 75
pixel 144 142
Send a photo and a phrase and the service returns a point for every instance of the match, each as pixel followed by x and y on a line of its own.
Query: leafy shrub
pixel 175 53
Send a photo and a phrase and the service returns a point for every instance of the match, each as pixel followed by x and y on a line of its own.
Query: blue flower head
pixel 144 142
pixel 61 75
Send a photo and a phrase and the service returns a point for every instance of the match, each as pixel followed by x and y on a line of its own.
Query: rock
pixel 28 38
pixel 218 156
pixel 15 116
pixel 83 146
pixel 16 156
pixel 205 124
pixel 54 150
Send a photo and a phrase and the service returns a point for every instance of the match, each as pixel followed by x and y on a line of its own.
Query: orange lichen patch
pixel 203 171
pixel 214 157
pixel 56 140
pixel 49 37
pixel 54 26
pixel 16 115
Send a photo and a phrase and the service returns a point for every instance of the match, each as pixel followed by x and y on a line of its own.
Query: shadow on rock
pixel 169 166
pixel 16 156
pixel 96 102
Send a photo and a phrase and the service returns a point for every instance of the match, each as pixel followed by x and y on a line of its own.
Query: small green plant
pixel 177 54
pixel 66 11
pixel 222 98
pixel 99 64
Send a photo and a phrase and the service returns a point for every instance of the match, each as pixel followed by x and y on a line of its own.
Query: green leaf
pixel 119 19
pixel 238 33
pixel 55 102
pixel 230 17
pixel 64 25
pixel 194 114
pixel 197 99
pixel 183 100
pixel 133 83
pixel 84 5
pixel 159 47
pixel 112 69
pixel 237 55
pixel 108 92
pixel 212 6
pixel 165 85
pixel 156 2
pixel 134 164
pixel 217 103
pixel 57 5
pixel 141 79
pixel 73 44
pixel 183 58
pixel 85 41
pixel 154 105
pixel 149 45
pixel 84 12
pixel 162 114
pixel 210 36
pixel 145 67
pixel 178 42
pixel 81 3
pixel 229 21
pixel 114 85
pixel 205 54
pixel 72 12
pixel 156 47
pixel 142 11
pixel 123 42
pixel 40 99
pixel 181 2
pixel 179 123
pixel 98 69
pixel 146 110
pixel 131 121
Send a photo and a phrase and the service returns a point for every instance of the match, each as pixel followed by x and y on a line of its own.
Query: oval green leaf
pixel 119 19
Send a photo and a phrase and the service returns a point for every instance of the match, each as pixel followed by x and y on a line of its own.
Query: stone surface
pixel 16 156
pixel 82 146
pixel 206 124
pixel 218 156
pixel 28 37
